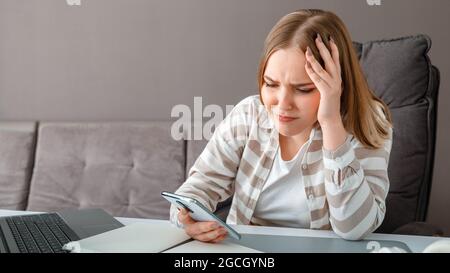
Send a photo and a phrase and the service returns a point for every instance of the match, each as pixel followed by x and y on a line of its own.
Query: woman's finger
pixel 211 235
pixel 219 239
pixel 200 228
pixel 335 55
pixel 185 218
pixel 326 56
pixel 316 67
pixel 316 79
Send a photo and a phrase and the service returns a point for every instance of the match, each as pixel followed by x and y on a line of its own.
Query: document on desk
pixel 149 238
pixel 134 238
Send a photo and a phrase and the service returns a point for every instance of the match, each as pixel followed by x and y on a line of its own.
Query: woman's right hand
pixel 210 232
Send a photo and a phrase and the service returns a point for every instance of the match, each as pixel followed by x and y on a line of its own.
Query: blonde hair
pixel 360 108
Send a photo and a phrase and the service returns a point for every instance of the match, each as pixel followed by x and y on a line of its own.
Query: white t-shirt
pixel 283 201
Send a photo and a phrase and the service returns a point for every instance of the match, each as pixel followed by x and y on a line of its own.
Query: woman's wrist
pixel 334 134
pixel 331 123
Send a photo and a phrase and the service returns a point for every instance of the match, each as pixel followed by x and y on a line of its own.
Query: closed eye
pixel 304 90
pixel 270 85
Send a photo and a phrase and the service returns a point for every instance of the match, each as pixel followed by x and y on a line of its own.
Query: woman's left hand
pixel 328 81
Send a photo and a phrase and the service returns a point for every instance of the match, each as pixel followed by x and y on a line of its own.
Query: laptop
pixel 48 232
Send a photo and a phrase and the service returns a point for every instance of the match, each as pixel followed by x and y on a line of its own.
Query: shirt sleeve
pixel 356 185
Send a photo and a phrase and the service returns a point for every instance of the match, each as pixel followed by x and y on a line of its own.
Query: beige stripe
pixel 213 196
pixel 350 170
pixel 206 169
pixel 255 147
pixel 266 162
pixel 229 164
pixel 232 215
pixel 377 190
pixel 236 130
pixel 313 168
pixel 382 174
pixel 254 223
pixel 319 213
pixel 241 219
pixel 246 168
pixel 259 222
pixel 235 136
pixel 357 217
pixel 244 197
pixel 371 228
pixel 361 153
pixel 254 181
pixel 328 175
pixel 315 146
pixel 317 191
pixel 339 200
pixel 251 204
pixel 341 150
pixel 239 131
pixel 342 175
pixel 326 227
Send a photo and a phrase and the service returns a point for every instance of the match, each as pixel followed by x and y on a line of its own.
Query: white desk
pixel 415 243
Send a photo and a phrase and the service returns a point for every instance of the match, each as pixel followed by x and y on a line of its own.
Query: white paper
pixel 135 238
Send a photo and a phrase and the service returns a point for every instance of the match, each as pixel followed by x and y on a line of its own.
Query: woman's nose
pixel 284 99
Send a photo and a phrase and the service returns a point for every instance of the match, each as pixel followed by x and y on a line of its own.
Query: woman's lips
pixel 282 118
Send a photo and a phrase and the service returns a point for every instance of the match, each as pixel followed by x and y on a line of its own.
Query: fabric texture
pixel 17 140
pixel 121 167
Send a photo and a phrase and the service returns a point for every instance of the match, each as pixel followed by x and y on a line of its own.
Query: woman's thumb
pixel 183 211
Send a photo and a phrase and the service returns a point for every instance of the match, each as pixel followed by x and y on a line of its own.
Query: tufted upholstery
pixel 193 150
pixel 121 167
pixel 17 140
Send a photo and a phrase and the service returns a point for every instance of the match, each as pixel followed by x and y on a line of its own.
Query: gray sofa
pixel 123 167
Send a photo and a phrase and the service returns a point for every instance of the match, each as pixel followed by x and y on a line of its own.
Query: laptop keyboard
pixel 40 233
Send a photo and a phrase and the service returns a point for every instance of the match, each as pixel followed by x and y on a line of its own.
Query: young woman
pixel 310 151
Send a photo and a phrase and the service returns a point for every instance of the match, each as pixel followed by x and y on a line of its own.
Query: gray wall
pixel 136 59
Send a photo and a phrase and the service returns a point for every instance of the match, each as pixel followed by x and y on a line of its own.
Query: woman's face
pixel 288 93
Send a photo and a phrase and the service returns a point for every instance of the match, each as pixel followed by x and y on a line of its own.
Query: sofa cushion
pixel 121 167
pixel 17 140
pixel 400 73
pixel 193 150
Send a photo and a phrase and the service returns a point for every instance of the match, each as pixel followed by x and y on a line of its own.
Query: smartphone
pixel 197 211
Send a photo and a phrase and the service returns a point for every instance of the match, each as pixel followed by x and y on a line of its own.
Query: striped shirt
pixel 346 188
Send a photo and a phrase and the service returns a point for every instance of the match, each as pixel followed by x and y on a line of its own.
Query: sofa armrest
pixel 419 228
